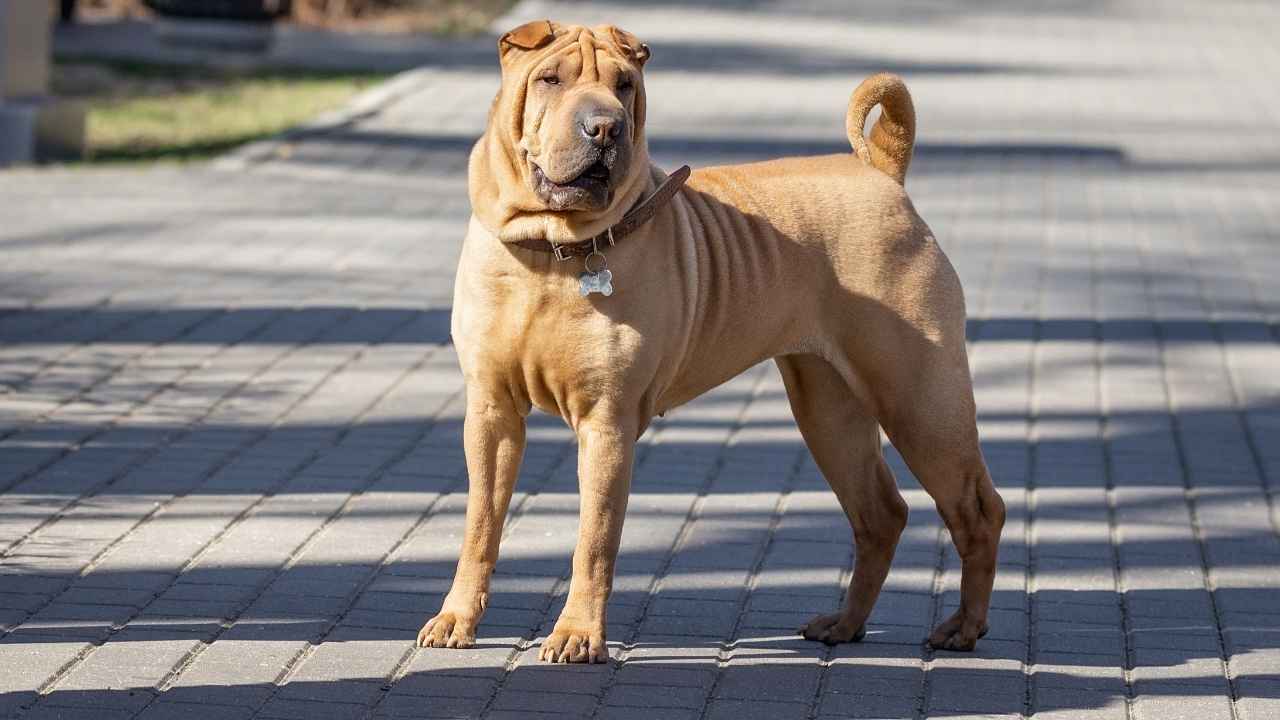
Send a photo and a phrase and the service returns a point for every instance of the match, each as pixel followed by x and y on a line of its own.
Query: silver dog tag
pixel 598 282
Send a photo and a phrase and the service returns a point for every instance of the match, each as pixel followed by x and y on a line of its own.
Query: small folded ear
pixel 530 36
pixel 630 45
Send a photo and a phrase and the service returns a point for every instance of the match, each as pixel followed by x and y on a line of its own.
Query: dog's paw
pixel 958 633
pixel 574 645
pixel 448 629
pixel 833 629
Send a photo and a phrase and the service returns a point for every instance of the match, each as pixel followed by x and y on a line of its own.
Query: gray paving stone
pixel 1206 706
pixel 836 705
pixel 164 710
pixel 49 712
pixel 654 697
pixel 756 710
pixel 284 709
pixel 767 682
pixel 272 336
pixel 435 686
pixel 530 674
pixel 994 693
pixel 406 706
pixel 612 712
pixel 567 704
pixel 638 673
pixel 522 715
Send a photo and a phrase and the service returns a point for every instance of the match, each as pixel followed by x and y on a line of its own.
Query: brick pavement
pixel 230 417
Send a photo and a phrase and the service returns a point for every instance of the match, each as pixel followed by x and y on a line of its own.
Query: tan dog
pixel 820 263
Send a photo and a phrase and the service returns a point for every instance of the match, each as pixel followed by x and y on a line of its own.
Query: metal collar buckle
pixel 562 255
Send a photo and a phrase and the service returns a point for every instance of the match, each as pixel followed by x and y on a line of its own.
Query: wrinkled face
pixel 582 110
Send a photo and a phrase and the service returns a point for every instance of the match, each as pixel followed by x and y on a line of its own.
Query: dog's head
pixel 565 143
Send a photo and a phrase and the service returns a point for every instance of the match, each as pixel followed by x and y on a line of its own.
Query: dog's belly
pixel 710 367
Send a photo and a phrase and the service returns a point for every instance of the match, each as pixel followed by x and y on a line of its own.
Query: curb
pixel 363 106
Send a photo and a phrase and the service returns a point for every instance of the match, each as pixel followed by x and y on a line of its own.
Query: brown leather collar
pixel 639 215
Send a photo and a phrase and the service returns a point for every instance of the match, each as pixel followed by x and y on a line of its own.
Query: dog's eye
pixel 625 85
pixel 550 79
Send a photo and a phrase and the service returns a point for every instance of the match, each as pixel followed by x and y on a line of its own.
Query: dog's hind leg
pixel 934 427
pixel 845 441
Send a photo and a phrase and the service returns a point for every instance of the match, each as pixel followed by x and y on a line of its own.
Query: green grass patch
pixel 438 17
pixel 151 112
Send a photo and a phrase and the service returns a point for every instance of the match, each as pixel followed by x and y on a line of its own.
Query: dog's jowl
pixel 820 263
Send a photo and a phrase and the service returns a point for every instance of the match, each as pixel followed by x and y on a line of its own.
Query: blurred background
pixel 188 78
pixel 231 482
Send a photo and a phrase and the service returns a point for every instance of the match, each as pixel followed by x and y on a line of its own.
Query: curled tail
pixel 894 134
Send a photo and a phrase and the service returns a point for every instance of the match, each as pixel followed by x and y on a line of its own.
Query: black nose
pixel 602 130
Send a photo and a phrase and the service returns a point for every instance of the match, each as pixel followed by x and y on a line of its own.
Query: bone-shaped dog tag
pixel 600 282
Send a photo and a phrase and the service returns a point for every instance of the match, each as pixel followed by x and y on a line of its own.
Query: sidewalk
pixel 231 481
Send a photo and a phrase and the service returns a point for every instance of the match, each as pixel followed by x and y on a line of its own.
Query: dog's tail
pixel 894 134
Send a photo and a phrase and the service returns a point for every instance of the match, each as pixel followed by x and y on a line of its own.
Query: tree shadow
pixel 869 676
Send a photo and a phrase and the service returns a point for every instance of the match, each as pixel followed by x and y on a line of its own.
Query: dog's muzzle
pixel 587 189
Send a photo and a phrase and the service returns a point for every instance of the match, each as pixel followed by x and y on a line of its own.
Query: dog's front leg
pixel 493 438
pixel 605 453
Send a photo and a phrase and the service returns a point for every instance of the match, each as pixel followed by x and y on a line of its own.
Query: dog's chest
pixel 536 334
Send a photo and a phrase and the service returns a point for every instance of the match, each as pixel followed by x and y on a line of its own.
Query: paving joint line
pixel 827 660
pixel 1239 408
pixel 1032 439
pixel 143 455
pixel 148 315
pixel 775 518
pixel 935 616
pixel 1030 503
pixel 111 374
pixel 1113 535
pixel 66 669
pixel 206 361
pixel 170 438
pixel 1191 249
pixel 80 313
pixel 105 301
pixel 261 588
pixel 1189 498
pixel 116 370
pixel 294 664
pixel 50 685
pixel 137 357
pixel 1188 489
pixel 1109 479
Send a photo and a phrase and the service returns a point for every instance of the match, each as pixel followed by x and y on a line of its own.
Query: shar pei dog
pixel 594 286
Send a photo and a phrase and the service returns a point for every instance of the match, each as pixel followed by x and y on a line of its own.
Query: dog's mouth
pixel 589 189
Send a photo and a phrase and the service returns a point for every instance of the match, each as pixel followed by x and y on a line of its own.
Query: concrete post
pixel 33 125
